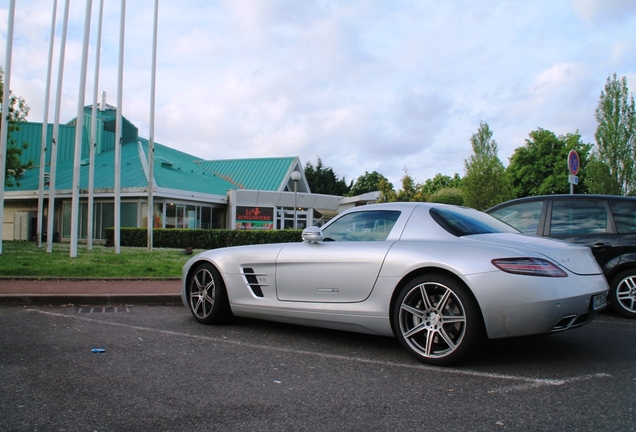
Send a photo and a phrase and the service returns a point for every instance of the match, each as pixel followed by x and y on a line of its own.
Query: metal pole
pixel 118 129
pixel 54 138
pixel 79 129
pixel 93 141
pixel 151 142
pixel 45 127
pixel 6 97
pixel 295 203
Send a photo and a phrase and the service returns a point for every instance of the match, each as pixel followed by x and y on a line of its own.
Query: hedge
pixel 200 238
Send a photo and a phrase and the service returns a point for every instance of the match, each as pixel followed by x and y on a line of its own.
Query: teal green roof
pixel 266 174
pixel 173 169
pixel 178 170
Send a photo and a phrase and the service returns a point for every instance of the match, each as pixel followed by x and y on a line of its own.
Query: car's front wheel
pixel 207 297
pixel 622 293
pixel 436 319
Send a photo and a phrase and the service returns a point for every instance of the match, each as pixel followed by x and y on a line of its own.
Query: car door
pixel 341 269
pixel 585 222
pixel 624 214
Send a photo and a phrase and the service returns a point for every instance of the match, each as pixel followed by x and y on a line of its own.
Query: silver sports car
pixel 437 277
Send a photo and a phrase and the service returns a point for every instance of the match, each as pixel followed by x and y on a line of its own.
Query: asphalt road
pixel 160 370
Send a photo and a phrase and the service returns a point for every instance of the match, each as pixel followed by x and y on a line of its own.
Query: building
pixel 189 192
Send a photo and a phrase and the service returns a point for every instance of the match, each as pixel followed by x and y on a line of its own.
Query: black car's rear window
pixel 624 216
pixel 462 221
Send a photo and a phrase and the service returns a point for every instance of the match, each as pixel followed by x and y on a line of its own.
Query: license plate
pixel 599 301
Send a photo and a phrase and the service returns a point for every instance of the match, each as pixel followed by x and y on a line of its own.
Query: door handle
pixel 600 246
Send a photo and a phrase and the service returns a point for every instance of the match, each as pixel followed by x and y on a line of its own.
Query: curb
pixel 86 278
pixel 89 299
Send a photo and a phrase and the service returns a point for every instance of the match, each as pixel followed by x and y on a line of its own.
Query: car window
pixel 624 216
pixel 462 222
pixel 579 217
pixel 361 226
pixel 523 216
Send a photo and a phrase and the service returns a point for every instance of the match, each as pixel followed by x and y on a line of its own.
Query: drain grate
pixel 104 309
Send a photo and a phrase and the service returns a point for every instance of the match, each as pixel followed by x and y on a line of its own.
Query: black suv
pixel 605 223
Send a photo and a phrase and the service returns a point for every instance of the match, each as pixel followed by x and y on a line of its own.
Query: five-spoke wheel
pixel 207 297
pixel 436 320
pixel 622 294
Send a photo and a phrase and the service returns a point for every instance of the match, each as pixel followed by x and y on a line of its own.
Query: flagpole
pixel 79 130
pixel 93 140
pixel 6 97
pixel 118 130
pixel 151 142
pixel 45 126
pixel 54 138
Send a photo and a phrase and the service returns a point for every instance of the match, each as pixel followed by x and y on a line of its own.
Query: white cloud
pixel 363 85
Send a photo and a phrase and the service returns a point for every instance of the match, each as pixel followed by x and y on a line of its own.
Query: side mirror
pixel 312 234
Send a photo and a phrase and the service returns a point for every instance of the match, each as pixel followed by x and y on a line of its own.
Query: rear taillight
pixel 529 267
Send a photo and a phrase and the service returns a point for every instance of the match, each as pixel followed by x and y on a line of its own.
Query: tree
pixel 485 183
pixel 368 182
pixel 437 183
pixel 18 112
pixel 599 179
pixel 448 196
pixel 387 194
pixel 541 167
pixel 322 180
pixel 616 133
pixel 409 189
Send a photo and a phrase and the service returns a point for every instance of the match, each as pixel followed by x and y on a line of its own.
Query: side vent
pixel 251 279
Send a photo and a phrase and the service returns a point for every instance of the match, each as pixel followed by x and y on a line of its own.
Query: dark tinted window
pixel 570 217
pixel 522 216
pixel 624 213
pixel 461 222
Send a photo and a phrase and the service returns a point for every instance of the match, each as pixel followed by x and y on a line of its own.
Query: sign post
pixel 573 165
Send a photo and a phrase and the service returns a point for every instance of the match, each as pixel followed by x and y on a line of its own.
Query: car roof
pixel 400 206
pixel 561 197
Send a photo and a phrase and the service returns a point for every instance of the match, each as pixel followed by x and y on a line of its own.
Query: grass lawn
pixel 25 259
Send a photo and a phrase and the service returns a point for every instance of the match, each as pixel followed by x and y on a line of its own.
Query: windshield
pixel 461 221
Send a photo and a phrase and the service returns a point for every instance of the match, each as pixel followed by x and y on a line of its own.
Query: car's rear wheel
pixel 622 293
pixel 207 297
pixel 436 319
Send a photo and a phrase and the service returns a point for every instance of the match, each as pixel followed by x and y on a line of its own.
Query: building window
pixel 285 218
pixel 129 214
pixel 103 214
pixel 189 216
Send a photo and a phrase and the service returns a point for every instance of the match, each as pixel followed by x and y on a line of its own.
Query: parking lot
pixel 160 370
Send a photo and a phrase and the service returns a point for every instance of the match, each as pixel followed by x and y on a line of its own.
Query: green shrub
pixel 448 196
pixel 200 238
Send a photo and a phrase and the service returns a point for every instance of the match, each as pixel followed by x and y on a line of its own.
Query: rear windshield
pixel 461 221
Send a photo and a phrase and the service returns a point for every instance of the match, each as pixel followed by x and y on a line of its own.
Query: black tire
pixel 622 293
pixel 436 319
pixel 207 297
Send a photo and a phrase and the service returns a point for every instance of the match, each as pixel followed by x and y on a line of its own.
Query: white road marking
pixel 527 383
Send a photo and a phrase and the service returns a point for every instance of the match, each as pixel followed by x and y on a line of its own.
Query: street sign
pixel 573 162
pixel 572 179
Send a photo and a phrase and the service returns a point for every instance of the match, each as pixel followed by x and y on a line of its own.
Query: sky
pixel 391 86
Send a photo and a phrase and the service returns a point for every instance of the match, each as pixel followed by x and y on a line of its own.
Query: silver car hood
pixel 575 258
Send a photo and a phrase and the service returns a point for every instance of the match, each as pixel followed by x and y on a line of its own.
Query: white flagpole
pixel 118 129
pixel 6 97
pixel 79 129
pixel 151 142
pixel 56 126
pixel 45 126
pixel 93 140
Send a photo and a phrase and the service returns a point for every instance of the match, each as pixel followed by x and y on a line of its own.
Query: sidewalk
pixel 89 291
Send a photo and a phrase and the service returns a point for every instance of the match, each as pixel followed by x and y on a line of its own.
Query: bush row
pixel 200 238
